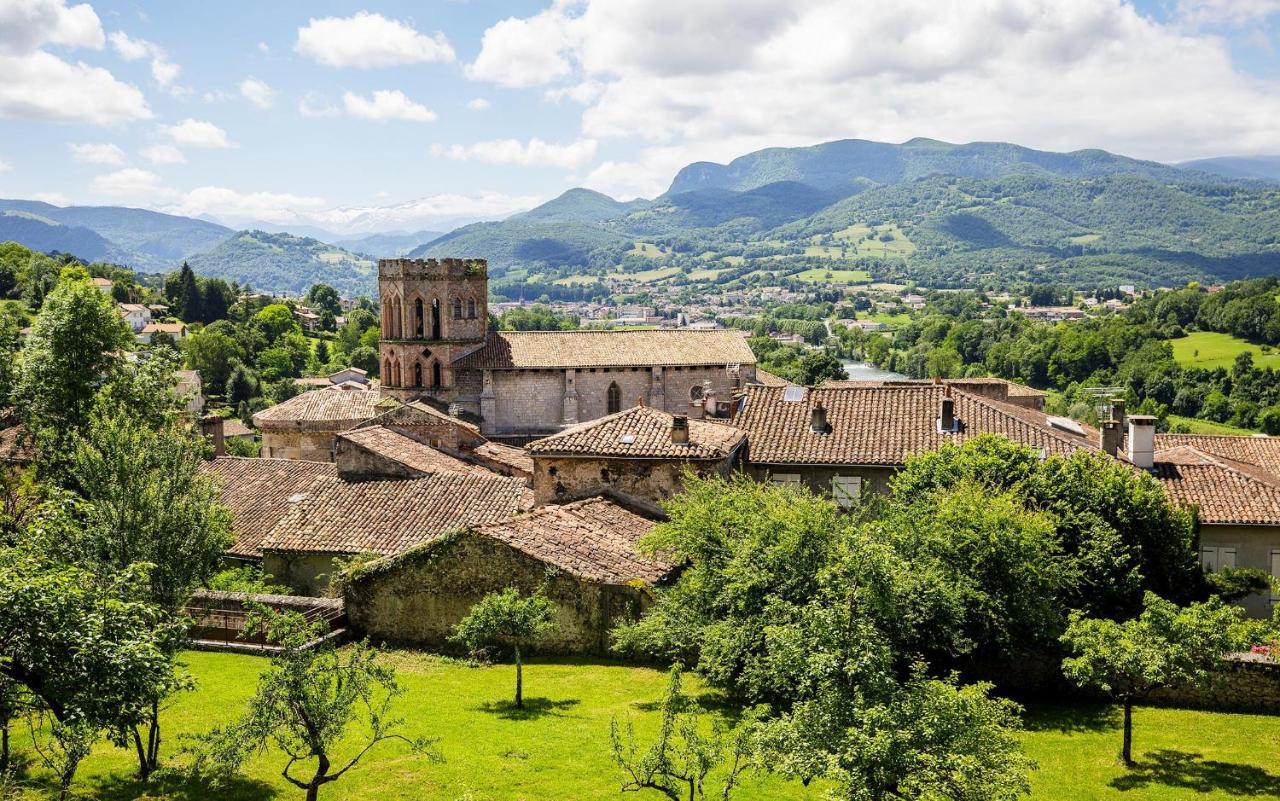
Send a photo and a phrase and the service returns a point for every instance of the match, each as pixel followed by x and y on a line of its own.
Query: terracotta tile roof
pixel 1224 492
pixel 515 458
pixel 593 539
pixel 398 448
pixel 770 380
pixel 884 424
pixel 1263 452
pixel 585 349
pixel 388 516
pixel 163 328
pixel 331 408
pixel 640 432
pixel 257 492
pixel 232 427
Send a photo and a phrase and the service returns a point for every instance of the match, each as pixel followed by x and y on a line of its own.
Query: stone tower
pixel 433 312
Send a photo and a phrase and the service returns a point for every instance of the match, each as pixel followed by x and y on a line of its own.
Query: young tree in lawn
pixel 1165 646
pixel 306 702
pixel 507 618
pixel 678 761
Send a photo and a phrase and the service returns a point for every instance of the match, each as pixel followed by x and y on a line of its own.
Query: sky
pixel 384 116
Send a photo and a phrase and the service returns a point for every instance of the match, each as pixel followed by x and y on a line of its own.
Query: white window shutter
pixel 1226 558
pixel 786 479
pixel 846 490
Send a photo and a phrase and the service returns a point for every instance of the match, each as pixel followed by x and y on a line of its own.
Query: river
pixel 861 371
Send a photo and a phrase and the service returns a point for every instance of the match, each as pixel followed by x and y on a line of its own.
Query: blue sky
pixel 387 116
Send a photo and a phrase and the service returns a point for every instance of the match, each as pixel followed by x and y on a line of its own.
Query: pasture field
pixel 558 746
pixel 820 276
pixel 1210 349
pixel 1198 426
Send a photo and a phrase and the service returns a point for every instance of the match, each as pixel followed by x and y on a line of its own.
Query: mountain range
pixel 939 213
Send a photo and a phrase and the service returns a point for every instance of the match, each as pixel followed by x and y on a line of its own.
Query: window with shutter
pixel 846 490
pixel 786 479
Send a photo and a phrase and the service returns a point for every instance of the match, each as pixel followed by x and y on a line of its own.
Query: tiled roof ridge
pixel 1247 470
pixel 1015 411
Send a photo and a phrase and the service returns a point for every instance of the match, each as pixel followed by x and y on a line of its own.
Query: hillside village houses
pixel 489 459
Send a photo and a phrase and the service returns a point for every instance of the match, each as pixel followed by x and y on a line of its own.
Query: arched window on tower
pixel 386 370
pixel 614 398
pixel 471 309
pixel 417 317
pixel 436 378
pixel 435 318
pixel 396 368
pixel 417 374
pixel 457 308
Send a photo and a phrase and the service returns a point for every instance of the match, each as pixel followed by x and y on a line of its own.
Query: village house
pixel 582 556
pixel 177 331
pixel 636 457
pixel 304 426
pixel 135 315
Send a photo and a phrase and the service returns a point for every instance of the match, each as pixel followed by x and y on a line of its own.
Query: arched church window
pixel 613 398
pixel 436 378
pixel 435 318
pixel 386 371
pixel 471 309
pixel 457 308
pixel 417 374
pixel 417 316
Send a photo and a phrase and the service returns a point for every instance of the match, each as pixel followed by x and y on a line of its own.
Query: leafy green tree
pixel 322 353
pixel 505 618
pixel 184 296
pixel 366 358
pixel 820 366
pixel 678 761
pixel 322 297
pixel 216 298
pixel 306 704
pixel 74 348
pixel 242 385
pixel 10 347
pixel 1165 646
pixel 1236 583
pixel 275 321
pixel 213 354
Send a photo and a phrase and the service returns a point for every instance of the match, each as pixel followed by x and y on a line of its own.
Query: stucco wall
pixel 1254 546
pixel 646 482
pixel 417 598
pixel 526 401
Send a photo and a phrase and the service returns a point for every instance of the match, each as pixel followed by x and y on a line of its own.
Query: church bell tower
pixel 433 312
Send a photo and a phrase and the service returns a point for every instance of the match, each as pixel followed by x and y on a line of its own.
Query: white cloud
pixel 105 153
pixel 197 133
pixel 130 183
pixel 524 52
pixel 263 48
pixel 478 104
pixel 163 71
pixel 582 93
pixel 386 104
pixel 719 77
pixel 231 204
pixel 27 24
pixel 534 153
pixel 369 40
pixel 5 166
pixel 163 154
pixel 257 92
pixel 56 198
pixel 38 85
pixel 314 104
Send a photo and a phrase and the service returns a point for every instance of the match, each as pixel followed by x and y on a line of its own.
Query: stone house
pixel 304 426
pixel 582 555
pixel 525 384
pixel 636 456
pixel 844 438
pixel 1233 483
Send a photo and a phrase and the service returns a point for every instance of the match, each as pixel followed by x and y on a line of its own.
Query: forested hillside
pixel 287 263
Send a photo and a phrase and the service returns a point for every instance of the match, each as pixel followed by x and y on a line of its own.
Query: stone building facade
pixel 526 384
pixel 304 427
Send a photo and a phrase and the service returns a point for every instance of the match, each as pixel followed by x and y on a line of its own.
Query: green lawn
pixel 558 748
pixel 654 275
pixel 891 320
pixel 1209 349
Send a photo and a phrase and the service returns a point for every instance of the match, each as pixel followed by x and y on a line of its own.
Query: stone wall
pixel 416 598
pixel 819 479
pixel 526 401
pixel 1245 683
pixel 307 446
pixel 644 483
pixel 302 573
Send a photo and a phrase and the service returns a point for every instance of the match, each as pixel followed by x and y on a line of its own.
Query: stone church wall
pixel 309 446
pixel 593 390
pixel 644 483
pixel 527 401
pixel 416 598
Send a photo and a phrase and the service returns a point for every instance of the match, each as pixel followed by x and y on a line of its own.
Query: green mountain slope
pixel 579 205
pixel 145 240
pixel 1259 168
pixel 838 165
pixel 388 246
pixel 41 233
pixel 287 263
pixel 521 242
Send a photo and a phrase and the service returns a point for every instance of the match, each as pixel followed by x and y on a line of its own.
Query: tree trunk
pixel 1126 753
pixel 153 738
pixel 519 681
pixel 4 746
pixel 143 772
pixel 313 792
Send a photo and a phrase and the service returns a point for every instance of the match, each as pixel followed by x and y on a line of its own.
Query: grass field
pixel 1209 427
pixel 648 250
pixel 656 274
pixel 558 748
pixel 817 276
pixel 1209 349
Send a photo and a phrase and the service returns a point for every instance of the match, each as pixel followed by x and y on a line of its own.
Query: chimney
pixel 680 429
pixel 947 417
pixel 818 419
pixel 211 428
pixel 1142 440
pixel 1110 438
pixel 1117 412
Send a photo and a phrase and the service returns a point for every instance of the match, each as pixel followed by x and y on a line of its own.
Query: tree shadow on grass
pixel 174 786
pixel 533 709
pixel 1072 719
pixel 1188 771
